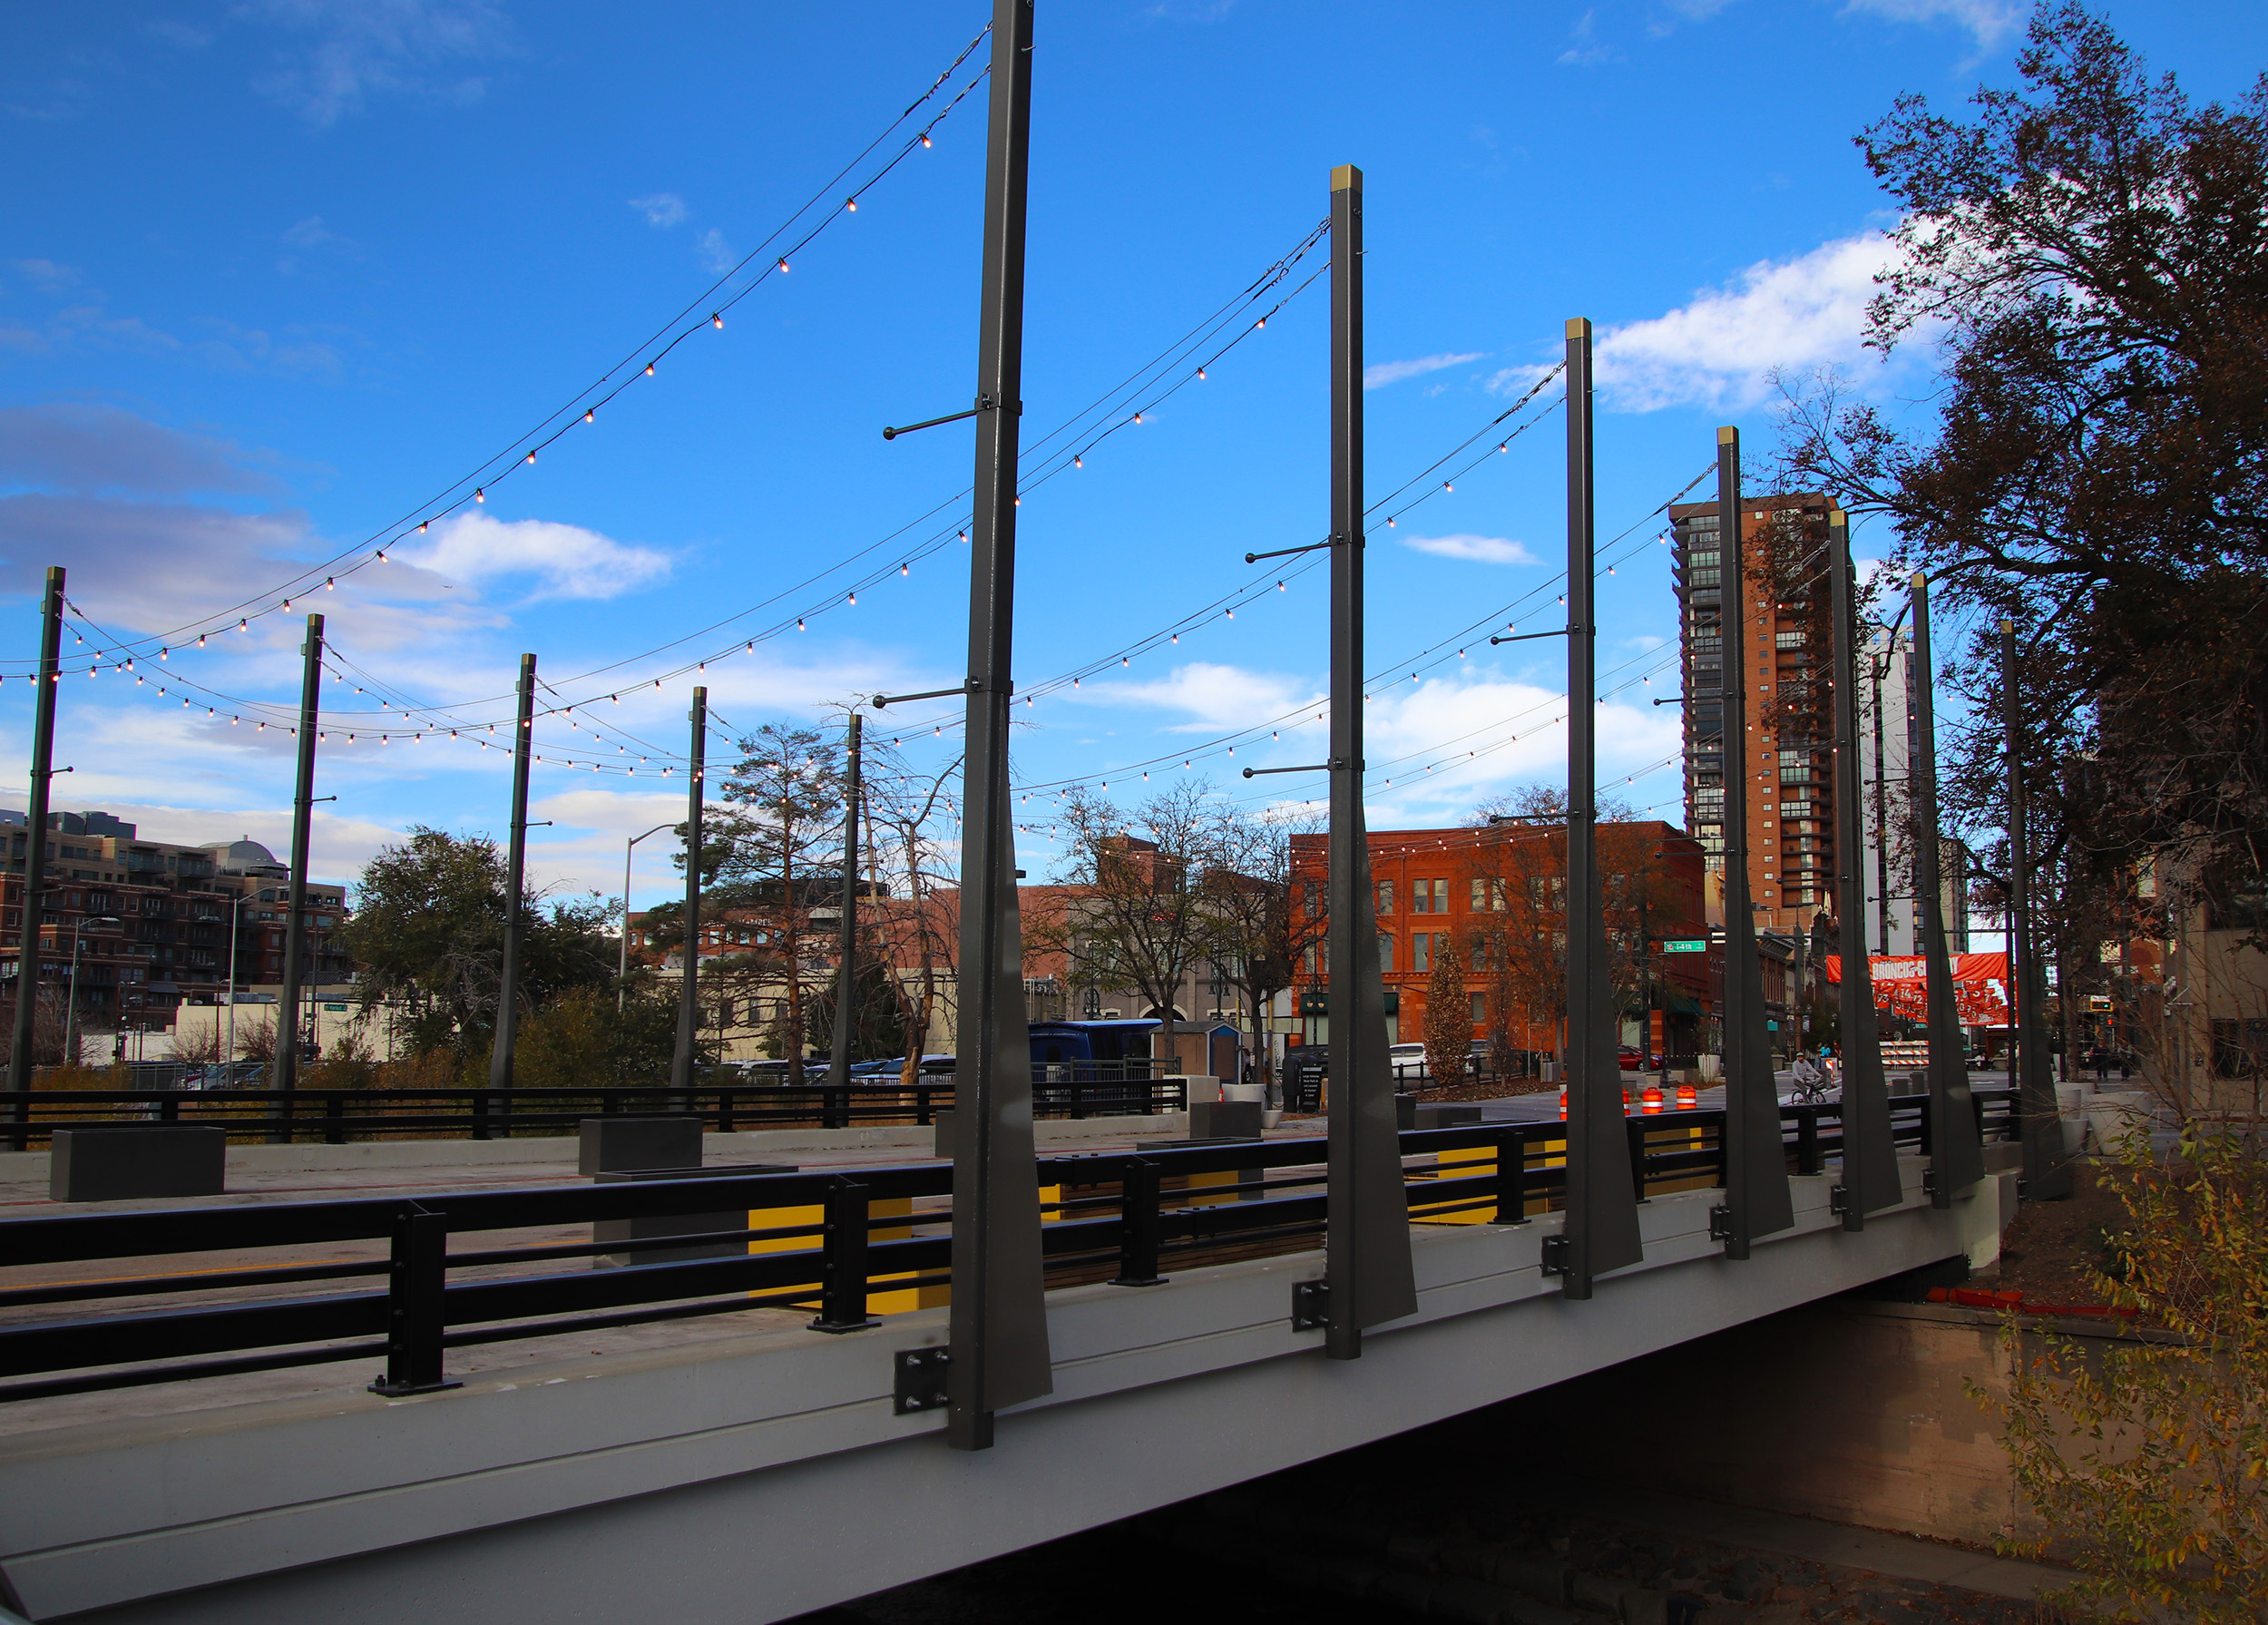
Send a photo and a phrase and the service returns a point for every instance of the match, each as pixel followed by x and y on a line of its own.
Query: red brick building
pixel 1495 896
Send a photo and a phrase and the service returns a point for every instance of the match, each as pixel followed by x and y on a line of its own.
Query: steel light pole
pixel 622 973
pixel 235 927
pixel 70 1002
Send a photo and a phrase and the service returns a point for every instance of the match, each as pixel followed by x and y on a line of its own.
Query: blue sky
pixel 277 273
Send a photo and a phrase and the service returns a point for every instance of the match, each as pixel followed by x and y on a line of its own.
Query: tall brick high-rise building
pixel 1790 704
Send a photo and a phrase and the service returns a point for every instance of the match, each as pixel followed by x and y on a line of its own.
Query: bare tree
pixel 1260 937
pixel 1140 915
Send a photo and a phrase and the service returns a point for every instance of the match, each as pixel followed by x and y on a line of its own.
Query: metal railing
pixel 807 1243
pixel 336 1116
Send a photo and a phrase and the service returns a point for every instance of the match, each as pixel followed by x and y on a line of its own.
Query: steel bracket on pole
pixel 921 1380
pixel 1311 1306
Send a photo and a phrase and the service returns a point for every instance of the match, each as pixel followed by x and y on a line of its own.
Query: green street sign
pixel 1685 946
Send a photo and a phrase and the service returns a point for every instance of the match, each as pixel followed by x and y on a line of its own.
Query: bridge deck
pixel 744 1476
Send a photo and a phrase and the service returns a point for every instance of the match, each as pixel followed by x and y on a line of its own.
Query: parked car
pixel 1634 1060
pixel 1408 1061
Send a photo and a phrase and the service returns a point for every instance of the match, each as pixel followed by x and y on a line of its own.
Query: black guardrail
pixel 335 1116
pixel 1123 1216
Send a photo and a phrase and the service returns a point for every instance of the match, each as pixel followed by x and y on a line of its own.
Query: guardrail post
pixel 920 1107
pixel 1635 1127
pixel 417 1275
pixel 724 1111
pixel 843 1260
pixel 1079 1096
pixel 334 1118
pixel 170 1109
pixel 834 1108
pixel 1807 1157
pixel 1140 1222
pixel 1512 1177
pixel 480 1114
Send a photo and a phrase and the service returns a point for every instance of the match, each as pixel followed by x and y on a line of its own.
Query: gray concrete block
pixel 1445 1115
pixel 142 1159
pixel 619 1144
pixel 1225 1120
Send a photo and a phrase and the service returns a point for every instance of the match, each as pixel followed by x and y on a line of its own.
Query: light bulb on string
pixel 783 266
pixel 717 318
pixel 287 606
pixel 649 369
pixel 905 570
pixel 589 413
pixel 924 138
pixel 1200 372
pixel 799 623
pixel 1077 462
pixel 478 496
pixel 851 204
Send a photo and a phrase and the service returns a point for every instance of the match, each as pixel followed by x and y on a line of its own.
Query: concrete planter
pixel 126 1163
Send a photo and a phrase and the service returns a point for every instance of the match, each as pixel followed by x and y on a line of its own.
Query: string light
pixel 481 495
pixel 717 318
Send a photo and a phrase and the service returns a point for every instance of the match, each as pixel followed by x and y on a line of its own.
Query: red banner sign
pixel 1902 986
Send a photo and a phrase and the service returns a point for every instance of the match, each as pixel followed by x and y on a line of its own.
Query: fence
pixel 335 1116
pixel 1123 1217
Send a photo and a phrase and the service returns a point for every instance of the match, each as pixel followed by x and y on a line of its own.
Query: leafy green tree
pixel 428 934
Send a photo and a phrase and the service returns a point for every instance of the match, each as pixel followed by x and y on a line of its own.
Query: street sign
pixel 2098 1002
pixel 1685 946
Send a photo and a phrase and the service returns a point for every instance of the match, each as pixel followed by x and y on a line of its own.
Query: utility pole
pixel 1602 1218
pixel 1756 1198
pixel 296 892
pixel 1368 1276
pixel 1957 1149
pixel 36 855
pixel 2047 1174
pixel 515 876
pixel 1870 1153
pixel 681 1078
pixel 846 977
pixel 998 1333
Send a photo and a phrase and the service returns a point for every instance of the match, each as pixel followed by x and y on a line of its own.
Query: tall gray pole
pixel 1367 1273
pixel 1756 1198
pixel 2047 1174
pixel 998 1332
pixel 35 850
pixel 847 976
pixel 515 885
pixel 681 1078
pixel 1956 1150
pixel 1602 1216
pixel 296 892
pixel 1870 1155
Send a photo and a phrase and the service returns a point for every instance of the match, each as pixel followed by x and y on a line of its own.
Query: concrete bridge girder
pixel 757 1479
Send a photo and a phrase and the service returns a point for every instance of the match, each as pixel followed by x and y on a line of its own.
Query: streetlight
pixel 71 1003
pixel 623 973
pixel 236 928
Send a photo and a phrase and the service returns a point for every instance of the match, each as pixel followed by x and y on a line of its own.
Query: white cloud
pixel 46 275
pixel 716 253
pixel 1586 50
pixel 1393 372
pixel 1807 311
pixel 1480 550
pixel 569 561
pixel 1989 22
pixel 398 47
pixel 83 449
pixel 1217 698
pixel 663 209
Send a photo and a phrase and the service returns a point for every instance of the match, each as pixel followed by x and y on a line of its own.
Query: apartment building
pixel 130 929
pixel 1789 701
